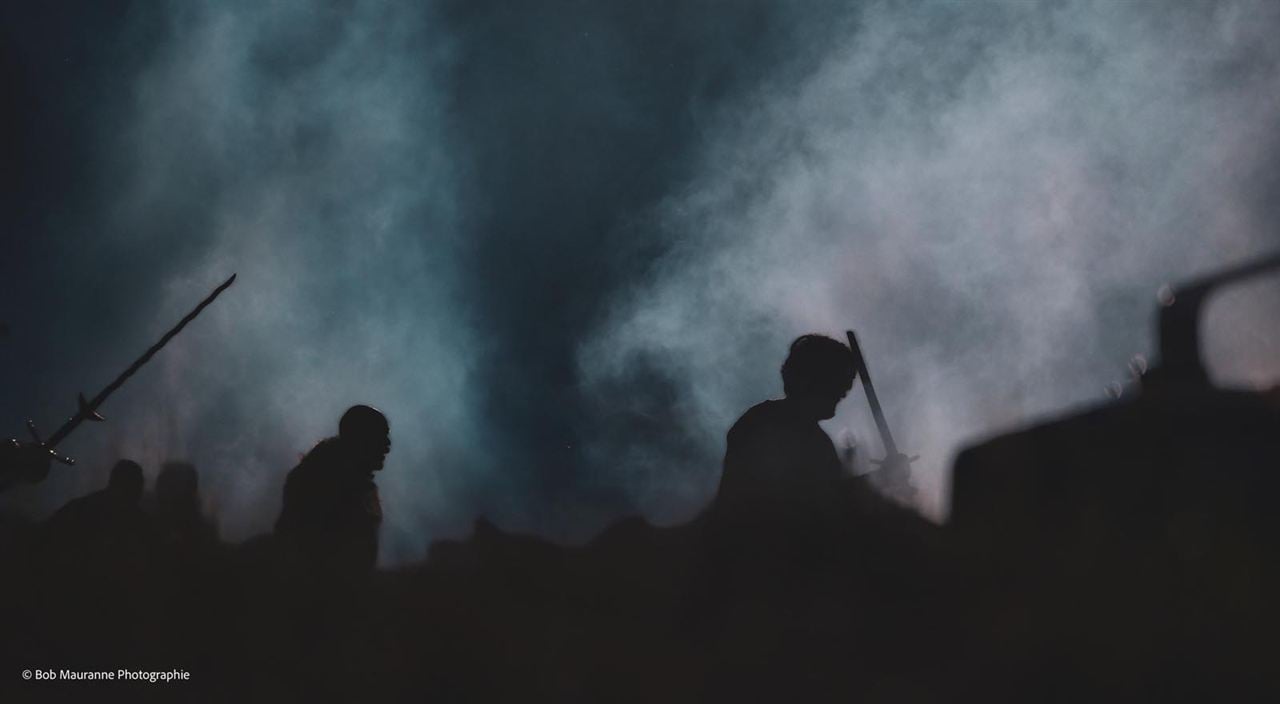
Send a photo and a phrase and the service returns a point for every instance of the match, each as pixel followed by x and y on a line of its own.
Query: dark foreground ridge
pixel 1123 554
pixel 1127 553
pixel 1093 585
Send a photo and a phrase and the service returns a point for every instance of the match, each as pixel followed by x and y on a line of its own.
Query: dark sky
pixel 564 244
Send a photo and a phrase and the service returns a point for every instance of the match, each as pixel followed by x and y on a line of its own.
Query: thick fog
pixel 990 194
pixel 564 245
pixel 301 149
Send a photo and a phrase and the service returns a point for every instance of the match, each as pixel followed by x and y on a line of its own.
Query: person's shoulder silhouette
pixel 107 520
pixel 121 497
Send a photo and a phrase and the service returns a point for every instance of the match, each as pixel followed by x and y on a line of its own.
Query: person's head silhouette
pixel 818 373
pixel 366 433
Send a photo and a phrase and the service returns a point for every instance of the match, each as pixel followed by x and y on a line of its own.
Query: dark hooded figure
pixel 331 513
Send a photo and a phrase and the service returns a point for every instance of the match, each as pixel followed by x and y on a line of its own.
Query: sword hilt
pixel 895 471
pixel 896 459
pixel 34 458
pixel 53 453
pixel 87 409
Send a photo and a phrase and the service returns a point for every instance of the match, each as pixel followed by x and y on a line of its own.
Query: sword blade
pixel 860 363
pixel 88 409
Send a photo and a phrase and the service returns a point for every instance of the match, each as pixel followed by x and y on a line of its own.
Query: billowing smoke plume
pixel 989 193
pixel 299 146
pixel 427 206
pixel 564 244
pixel 318 139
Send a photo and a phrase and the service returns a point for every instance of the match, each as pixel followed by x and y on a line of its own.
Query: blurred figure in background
pixel 105 545
pixel 108 521
pixel 179 516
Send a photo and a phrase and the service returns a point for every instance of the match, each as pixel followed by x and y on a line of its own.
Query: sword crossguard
pixel 87 411
pixel 895 473
pixel 53 454
pixel 898 460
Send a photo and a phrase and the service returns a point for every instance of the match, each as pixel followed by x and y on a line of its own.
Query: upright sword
pixel 897 464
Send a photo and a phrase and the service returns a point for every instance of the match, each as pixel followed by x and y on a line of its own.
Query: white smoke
pixel 311 138
pixel 989 193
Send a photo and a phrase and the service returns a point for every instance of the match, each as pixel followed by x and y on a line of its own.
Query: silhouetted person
pixel 780 468
pixel 179 517
pixel 331 513
pixel 108 519
pixel 807 559
pixel 785 556
pixel 188 593
pixel 102 544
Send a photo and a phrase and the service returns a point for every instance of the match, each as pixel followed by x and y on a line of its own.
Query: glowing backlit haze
pixel 565 245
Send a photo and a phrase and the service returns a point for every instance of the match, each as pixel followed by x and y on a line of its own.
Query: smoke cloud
pixel 989 193
pixel 318 136
pixel 428 207
pixel 564 245
pixel 300 147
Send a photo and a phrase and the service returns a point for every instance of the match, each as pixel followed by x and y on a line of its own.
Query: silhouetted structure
pixel 331 513
pixel 1130 549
